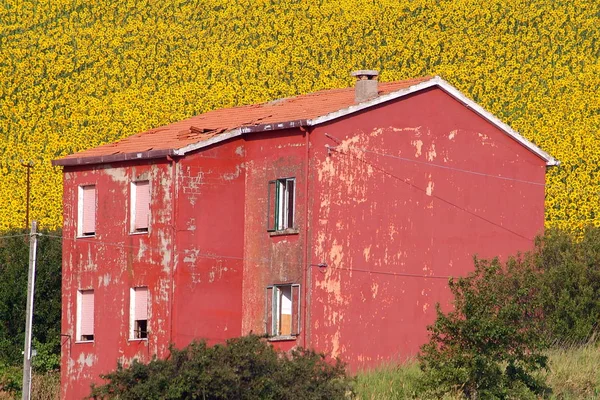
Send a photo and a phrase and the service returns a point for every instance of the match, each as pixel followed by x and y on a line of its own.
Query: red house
pixel 330 220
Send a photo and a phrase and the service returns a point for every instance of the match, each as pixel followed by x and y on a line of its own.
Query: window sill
pixel 83 341
pixel 289 231
pixel 137 340
pixel 139 233
pixel 86 236
pixel 282 338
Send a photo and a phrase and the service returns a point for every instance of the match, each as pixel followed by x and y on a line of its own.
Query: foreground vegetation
pixel 75 74
pixel 494 343
pixel 245 368
pixel 573 375
pixel 14 258
pixel 44 385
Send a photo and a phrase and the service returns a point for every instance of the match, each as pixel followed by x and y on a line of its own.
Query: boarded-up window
pixel 85 315
pixel 140 206
pixel 87 211
pixel 282 310
pixel 139 313
pixel 281 204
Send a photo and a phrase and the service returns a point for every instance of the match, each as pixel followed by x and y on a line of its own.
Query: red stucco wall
pixel 391 229
pixel 209 242
pixel 191 260
pixel 271 259
pixel 111 263
pixel 389 225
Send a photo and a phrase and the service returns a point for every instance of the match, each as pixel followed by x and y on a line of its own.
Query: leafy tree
pixel 244 368
pixel 570 284
pixel 14 261
pixel 489 346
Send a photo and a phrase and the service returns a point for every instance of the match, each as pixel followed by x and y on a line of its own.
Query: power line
pixel 405 181
pixel 392 273
pixel 219 256
pixel 14 236
pixel 446 167
pixel 157 249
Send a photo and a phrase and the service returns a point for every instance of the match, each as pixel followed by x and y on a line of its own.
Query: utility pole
pixel 29 165
pixel 29 318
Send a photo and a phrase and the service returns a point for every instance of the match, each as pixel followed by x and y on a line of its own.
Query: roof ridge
pixel 309 109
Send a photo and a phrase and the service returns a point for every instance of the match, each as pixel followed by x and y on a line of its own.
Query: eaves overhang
pixel 113 158
pixel 239 131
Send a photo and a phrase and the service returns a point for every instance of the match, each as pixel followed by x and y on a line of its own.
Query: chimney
pixel 366 85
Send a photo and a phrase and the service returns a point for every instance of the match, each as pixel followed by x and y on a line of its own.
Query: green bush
pixel 14 259
pixel 490 345
pixel 11 380
pixel 243 368
pixel 569 282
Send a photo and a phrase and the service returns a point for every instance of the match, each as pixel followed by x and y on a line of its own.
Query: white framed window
pixel 140 206
pixel 282 203
pixel 86 210
pixel 138 313
pixel 282 310
pixel 85 315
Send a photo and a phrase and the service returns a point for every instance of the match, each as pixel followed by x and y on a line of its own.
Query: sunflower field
pixel 75 74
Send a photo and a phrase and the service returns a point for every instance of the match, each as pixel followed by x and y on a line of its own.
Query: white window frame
pixel 80 207
pixel 80 315
pixel 281 206
pixel 278 308
pixel 132 319
pixel 274 327
pixel 132 211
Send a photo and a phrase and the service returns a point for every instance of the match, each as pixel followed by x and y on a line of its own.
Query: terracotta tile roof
pixel 160 141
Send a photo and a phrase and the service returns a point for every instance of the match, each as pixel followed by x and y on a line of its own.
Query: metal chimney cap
pixel 365 74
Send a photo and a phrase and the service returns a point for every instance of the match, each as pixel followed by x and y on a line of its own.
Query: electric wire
pixel 380 169
pixel 446 167
pixel 403 274
pixel 14 236
pixel 218 256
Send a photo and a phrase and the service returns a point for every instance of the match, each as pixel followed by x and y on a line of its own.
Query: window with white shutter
pixel 282 310
pixel 138 323
pixel 282 200
pixel 85 315
pixel 140 206
pixel 86 211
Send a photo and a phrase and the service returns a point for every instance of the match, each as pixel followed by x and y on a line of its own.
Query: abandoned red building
pixel 330 220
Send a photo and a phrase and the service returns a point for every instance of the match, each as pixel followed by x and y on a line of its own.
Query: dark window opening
pixel 283 310
pixel 282 202
pixel 141 329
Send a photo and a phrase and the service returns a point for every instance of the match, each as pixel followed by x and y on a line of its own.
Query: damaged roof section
pixel 203 130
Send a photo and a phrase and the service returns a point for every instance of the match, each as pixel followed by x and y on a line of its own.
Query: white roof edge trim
pixel 370 103
pixel 435 81
pixel 457 94
pixel 213 140
pixel 452 91
pixel 319 120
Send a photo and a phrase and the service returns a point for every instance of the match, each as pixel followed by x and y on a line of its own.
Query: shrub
pixel 489 346
pixel 243 368
pixel 11 380
pixel 45 386
pixel 569 284
pixel 14 258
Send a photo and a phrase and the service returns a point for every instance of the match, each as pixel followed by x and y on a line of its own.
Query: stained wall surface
pixel 413 190
pixel 190 259
pixel 209 240
pixel 111 263
pixel 271 258
pixel 390 201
